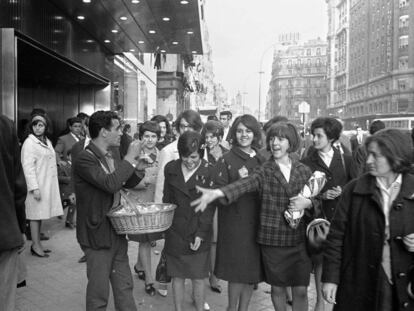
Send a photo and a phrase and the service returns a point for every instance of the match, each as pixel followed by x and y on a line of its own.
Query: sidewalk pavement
pixel 58 283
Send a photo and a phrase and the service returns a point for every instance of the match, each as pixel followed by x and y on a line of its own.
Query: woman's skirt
pixel 286 266
pixel 194 266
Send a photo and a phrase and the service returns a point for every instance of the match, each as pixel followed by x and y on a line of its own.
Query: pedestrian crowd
pixel 242 215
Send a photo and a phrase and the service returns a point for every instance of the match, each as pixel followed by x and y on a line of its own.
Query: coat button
pixel 398 207
pixel 401 274
pixel 405 305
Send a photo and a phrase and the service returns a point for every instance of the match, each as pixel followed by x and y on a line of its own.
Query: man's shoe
pixel 43 237
pixel 82 259
pixel 69 225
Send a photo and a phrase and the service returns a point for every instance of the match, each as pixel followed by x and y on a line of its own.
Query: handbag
pixel 316 233
pixel 161 275
pixel 318 229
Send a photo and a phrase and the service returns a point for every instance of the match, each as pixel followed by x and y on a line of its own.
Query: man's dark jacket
pixel 13 188
pixel 95 191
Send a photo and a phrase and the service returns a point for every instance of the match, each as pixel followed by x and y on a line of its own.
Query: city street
pixel 59 282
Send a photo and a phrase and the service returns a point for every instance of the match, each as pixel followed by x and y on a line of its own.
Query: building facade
pixel 186 81
pixel 68 57
pixel 379 72
pixel 298 75
pixel 337 56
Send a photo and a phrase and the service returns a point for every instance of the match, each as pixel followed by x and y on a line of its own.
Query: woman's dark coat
pixel 187 224
pixel 336 175
pixel 238 256
pixel 353 252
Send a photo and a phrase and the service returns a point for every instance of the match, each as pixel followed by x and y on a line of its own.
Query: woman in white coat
pixel 40 169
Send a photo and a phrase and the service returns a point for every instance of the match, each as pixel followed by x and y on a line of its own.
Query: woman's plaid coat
pixel 274 192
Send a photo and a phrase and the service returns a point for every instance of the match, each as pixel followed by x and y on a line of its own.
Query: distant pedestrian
pixel 360 155
pixel 212 134
pixel 144 193
pixel 165 134
pixel 98 178
pixel 67 194
pixel 126 139
pixel 40 169
pixel 65 142
pixel 225 119
pixel 12 209
pixel 358 139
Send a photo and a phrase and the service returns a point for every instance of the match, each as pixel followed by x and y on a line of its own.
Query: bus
pixel 406 123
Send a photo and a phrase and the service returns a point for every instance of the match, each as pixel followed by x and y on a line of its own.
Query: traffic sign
pixel 304 107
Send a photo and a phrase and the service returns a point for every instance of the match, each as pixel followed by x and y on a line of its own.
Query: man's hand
pixel 408 241
pixel 329 292
pixel 36 194
pixel 134 150
pixel 196 245
pixel 207 196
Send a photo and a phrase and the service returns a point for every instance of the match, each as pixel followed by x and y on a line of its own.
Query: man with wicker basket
pixel 99 175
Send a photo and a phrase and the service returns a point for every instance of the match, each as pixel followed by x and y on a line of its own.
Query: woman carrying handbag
pixel 329 160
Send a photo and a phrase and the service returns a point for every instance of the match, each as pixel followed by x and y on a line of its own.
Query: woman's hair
pixel 189 142
pixel 396 146
pixel 274 120
pixel 126 128
pixel 251 123
pixel 213 127
pixel 332 127
pixel 284 130
pixel 212 117
pixel 149 126
pixel 36 118
pixel 193 119
pixel 159 118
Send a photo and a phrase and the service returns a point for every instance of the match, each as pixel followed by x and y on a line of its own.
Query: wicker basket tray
pixel 143 222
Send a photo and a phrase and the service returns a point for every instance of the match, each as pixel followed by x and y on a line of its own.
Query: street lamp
pixel 244 93
pixel 260 77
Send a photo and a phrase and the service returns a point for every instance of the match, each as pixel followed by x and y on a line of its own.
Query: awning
pixel 148 26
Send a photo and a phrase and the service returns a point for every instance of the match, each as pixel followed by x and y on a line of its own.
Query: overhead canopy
pixel 148 26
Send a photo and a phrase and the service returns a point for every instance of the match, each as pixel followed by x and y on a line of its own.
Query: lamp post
pixel 244 92
pixel 260 77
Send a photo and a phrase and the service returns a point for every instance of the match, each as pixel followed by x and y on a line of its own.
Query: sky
pixel 241 32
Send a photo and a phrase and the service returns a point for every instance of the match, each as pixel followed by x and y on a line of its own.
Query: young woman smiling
pixel 238 223
pixel 187 241
pixel 277 183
